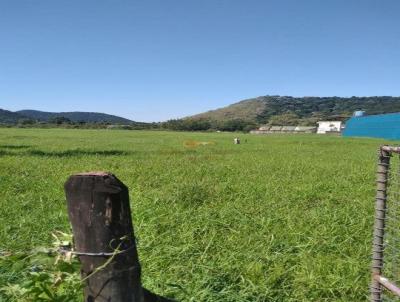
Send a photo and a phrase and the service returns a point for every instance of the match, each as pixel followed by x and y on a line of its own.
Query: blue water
pixel 381 126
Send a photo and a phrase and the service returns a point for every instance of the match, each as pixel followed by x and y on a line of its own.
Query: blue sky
pixel 155 60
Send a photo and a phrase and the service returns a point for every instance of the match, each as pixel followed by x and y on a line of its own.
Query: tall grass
pixel 276 218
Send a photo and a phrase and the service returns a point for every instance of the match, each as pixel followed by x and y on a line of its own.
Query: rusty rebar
pixel 379 224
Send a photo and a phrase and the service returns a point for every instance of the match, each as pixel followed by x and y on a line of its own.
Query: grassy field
pixel 277 218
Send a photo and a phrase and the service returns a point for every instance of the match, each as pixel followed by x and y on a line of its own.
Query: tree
pixel 60 120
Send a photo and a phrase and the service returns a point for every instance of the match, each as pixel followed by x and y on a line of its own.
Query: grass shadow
pixel 76 152
pixel 4 153
pixel 14 146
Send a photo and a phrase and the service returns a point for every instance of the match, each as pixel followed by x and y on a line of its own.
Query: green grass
pixel 277 218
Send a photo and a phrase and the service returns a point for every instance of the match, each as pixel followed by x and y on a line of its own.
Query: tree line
pixel 174 125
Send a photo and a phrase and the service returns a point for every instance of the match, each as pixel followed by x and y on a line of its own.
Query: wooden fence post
pixel 99 211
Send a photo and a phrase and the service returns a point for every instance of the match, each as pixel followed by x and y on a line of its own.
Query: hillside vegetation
pixel 278 110
pixel 9 117
pixel 34 116
pixel 88 117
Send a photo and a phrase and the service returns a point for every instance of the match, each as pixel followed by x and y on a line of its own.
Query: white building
pixel 329 127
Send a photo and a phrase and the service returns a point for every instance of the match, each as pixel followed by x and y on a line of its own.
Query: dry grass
pixel 194 144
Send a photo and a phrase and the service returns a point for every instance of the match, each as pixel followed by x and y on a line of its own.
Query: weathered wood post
pixel 99 211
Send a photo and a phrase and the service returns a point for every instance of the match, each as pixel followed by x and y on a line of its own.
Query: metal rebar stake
pixel 379 224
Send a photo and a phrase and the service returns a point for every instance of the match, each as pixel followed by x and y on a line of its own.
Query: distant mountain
pixel 88 117
pixel 299 110
pixel 9 117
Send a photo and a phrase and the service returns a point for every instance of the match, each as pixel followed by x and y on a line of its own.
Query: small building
pixel 274 129
pixel 380 126
pixel 288 128
pixel 327 127
pixel 359 113
pixel 265 129
pixel 305 129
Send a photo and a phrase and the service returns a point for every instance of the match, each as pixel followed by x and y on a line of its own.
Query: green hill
pixel 88 117
pixel 9 117
pixel 299 110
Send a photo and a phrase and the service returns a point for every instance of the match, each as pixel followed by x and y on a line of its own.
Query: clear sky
pixel 154 60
